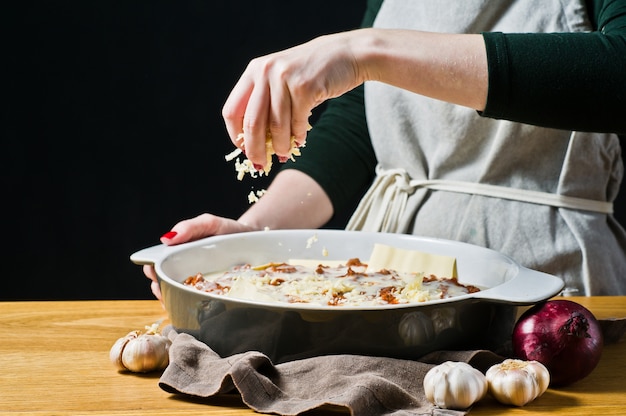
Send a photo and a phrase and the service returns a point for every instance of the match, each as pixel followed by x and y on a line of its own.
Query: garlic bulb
pixel 517 382
pixel 141 353
pixel 454 385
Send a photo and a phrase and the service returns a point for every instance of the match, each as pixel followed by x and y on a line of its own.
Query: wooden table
pixel 54 360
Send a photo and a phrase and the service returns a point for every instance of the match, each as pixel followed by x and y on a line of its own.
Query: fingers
pixel 188 230
pixel 204 225
pixel 277 93
pixel 156 290
pixel 280 110
pixel 246 111
pixel 263 101
pixel 255 125
pixel 300 124
pixel 148 270
pixel 235 108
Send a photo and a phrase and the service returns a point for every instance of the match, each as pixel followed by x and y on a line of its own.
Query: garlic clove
pixel 115 354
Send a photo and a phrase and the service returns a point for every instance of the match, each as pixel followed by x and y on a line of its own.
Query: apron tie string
pixel 383 204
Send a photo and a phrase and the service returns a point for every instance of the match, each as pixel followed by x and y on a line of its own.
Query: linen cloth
pixel 361 384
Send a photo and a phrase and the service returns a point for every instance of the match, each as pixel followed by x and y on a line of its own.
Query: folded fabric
pixel 361 384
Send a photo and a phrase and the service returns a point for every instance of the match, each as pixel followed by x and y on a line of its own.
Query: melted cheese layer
pixel 349 284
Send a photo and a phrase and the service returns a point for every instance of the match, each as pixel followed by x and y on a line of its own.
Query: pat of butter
pixel 411 261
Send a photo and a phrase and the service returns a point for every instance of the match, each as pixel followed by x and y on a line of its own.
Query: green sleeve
pixel 338 154
pixel 573 81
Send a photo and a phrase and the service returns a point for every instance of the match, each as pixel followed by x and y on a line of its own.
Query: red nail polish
pixel 257 166
pixel 169 235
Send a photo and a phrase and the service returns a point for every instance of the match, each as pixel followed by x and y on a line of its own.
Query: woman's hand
pixel 204 225
pixel 277 92
pixel 293 200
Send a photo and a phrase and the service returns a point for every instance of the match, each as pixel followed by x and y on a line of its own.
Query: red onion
pixel 562 335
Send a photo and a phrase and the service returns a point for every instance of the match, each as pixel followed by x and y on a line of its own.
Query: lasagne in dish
pixel 348 283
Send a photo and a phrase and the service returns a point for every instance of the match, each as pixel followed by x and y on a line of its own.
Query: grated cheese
pixel 347 284
pixel 254 196
pixel 246 167
pixel 311 240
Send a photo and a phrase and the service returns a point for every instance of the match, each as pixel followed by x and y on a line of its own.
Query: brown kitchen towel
pixel 361 384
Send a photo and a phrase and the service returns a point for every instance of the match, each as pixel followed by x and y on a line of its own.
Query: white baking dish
pixel 287 331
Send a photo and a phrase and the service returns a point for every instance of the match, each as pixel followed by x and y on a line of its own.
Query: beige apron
pixel 542 196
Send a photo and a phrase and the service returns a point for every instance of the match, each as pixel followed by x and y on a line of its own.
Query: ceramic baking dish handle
pixel 151 255
pixel 526 288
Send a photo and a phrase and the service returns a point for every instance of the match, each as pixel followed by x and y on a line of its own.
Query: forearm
pixel 447 67
pixel 293 200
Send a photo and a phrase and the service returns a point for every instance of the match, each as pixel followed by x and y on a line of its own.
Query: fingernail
pixel 169 235
pixel 283 159
pixel 257 166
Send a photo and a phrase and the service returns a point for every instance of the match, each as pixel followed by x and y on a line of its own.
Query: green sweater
pixel 530 81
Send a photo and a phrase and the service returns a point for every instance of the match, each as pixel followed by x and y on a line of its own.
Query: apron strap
pixel 383 204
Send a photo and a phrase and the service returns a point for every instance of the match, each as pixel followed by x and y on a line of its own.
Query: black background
pixel 112 129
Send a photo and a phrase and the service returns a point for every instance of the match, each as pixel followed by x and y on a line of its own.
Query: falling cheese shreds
pixel 247 167
pixel 233 154
pixel 254 196
pixel 311 240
